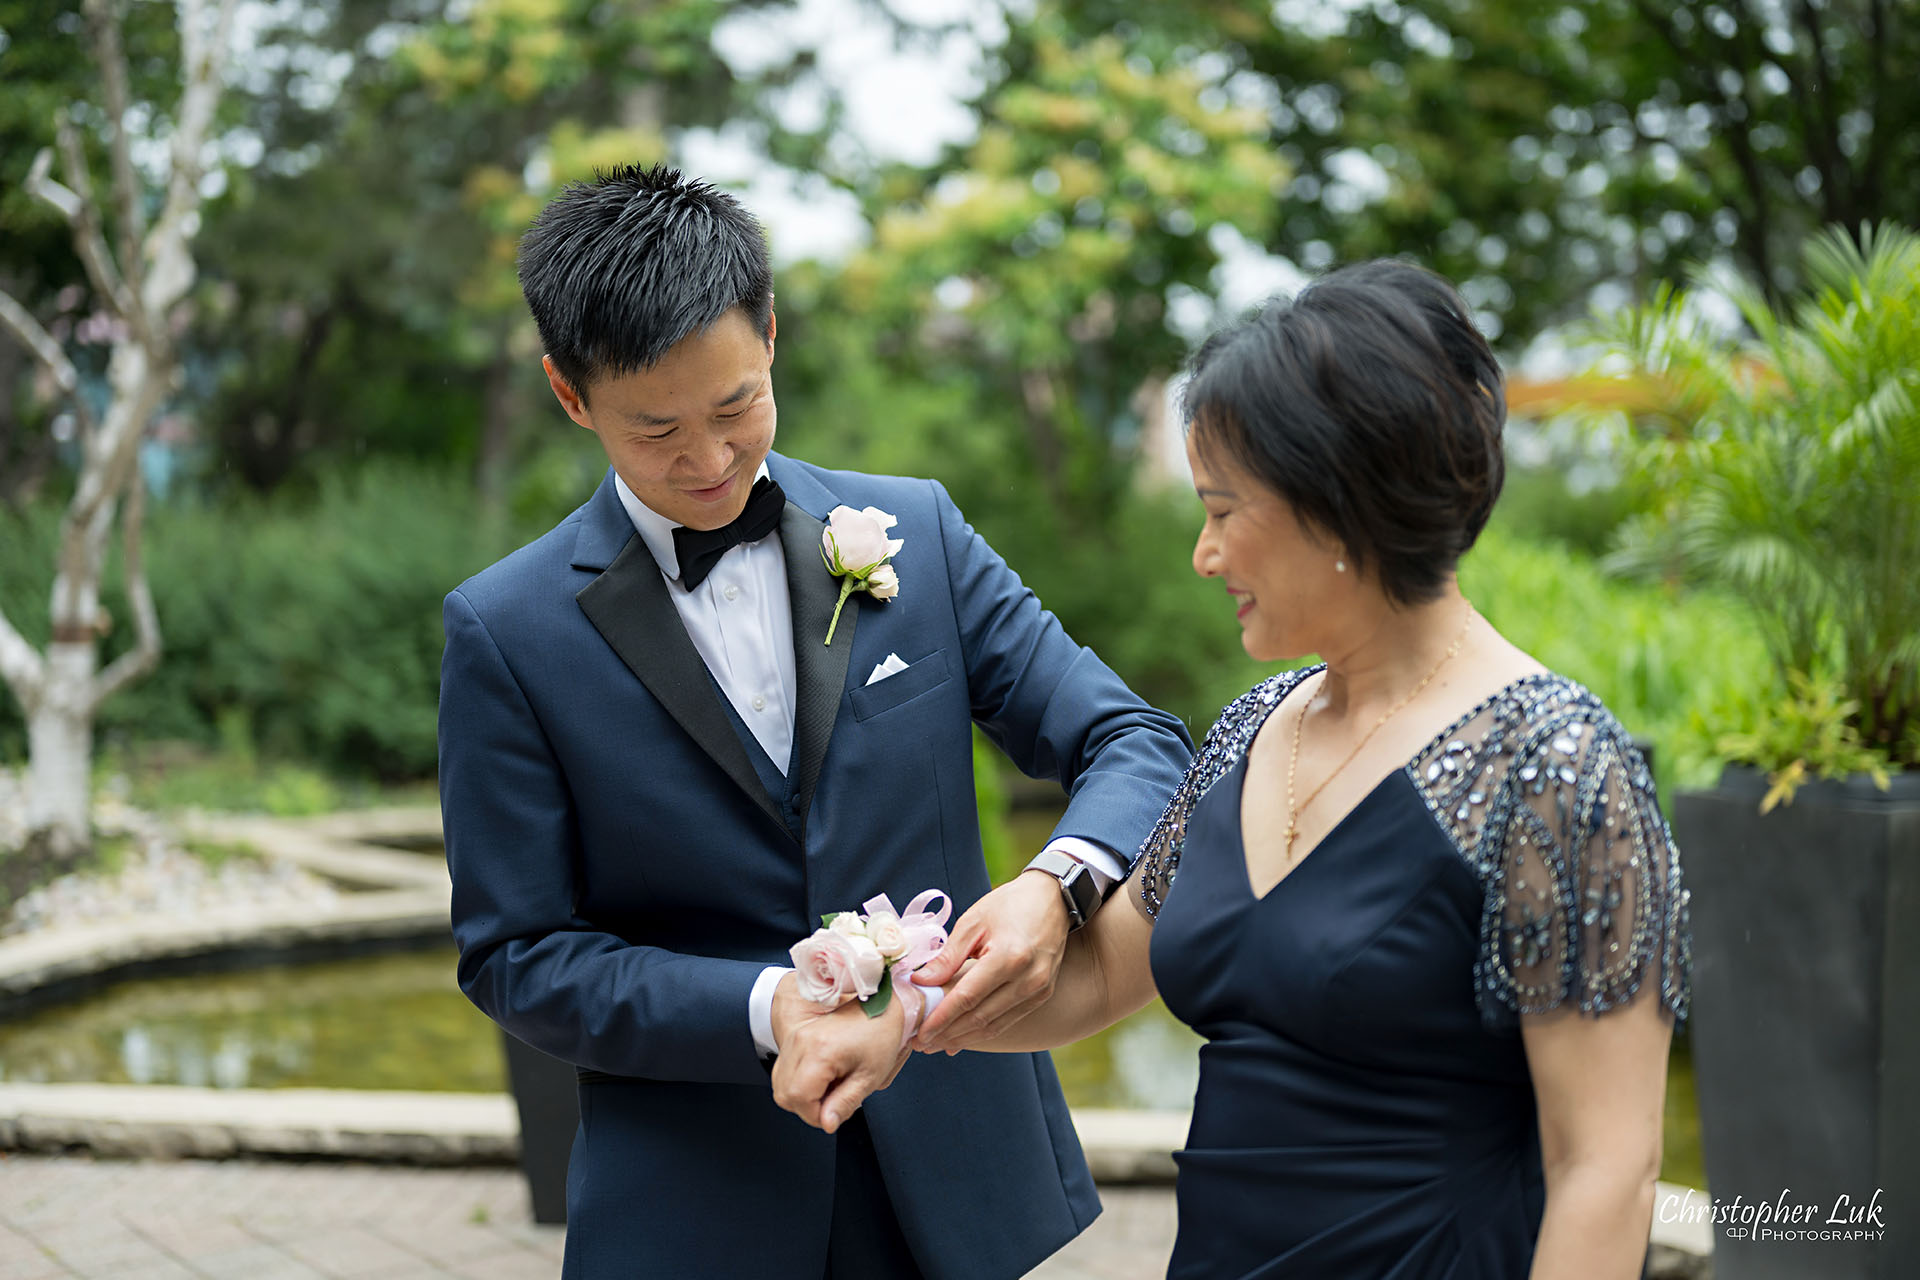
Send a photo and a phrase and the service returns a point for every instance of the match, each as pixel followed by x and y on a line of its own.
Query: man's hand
pixel 1015 937
pixel 831 1061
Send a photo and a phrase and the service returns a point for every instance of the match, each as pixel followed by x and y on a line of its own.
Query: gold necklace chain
pixel 1293 760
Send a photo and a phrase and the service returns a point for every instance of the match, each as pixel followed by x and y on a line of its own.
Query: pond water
pixel 397 1021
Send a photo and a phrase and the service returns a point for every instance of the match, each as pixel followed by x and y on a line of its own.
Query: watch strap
pixel 1081 887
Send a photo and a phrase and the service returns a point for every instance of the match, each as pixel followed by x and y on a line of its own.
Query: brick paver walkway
pixel 66 1217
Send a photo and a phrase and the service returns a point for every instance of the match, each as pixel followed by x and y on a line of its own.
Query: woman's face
pixel 1283 581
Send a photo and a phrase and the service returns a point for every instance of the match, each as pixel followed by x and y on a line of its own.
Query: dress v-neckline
pixel 1246 756
pixel 1240 831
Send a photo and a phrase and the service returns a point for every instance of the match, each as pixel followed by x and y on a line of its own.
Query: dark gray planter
pixel 1806 1019
pixel 547 1093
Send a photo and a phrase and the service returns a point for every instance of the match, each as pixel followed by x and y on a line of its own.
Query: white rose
pixel 854 541
pixel 883 583
pixel 868 965
pixel 884 929
pixel 848 923
pixel 885 522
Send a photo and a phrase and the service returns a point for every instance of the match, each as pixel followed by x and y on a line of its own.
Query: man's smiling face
pixel 689 434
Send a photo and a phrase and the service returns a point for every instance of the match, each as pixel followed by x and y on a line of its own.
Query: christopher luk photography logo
pixel 1845 1217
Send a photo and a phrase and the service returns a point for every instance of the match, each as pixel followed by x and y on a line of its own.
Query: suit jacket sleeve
pixel 1052 705
pixel 526 958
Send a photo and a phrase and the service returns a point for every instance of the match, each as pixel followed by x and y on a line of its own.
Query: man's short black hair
pixel 1373 407
pixel 618 270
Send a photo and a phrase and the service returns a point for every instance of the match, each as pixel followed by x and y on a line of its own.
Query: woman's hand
pixel 1102 977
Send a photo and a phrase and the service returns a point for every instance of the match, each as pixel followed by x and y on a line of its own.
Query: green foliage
pixel 1811 732
pixel 990 798
pixel 1532 150
pixel 217 854
pixel 1656 655
pixel 1033 272
pixel 1539 503
pixel 1785 468
pixel 310 629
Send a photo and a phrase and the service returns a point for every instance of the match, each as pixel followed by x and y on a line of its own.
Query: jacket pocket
pixel 927 673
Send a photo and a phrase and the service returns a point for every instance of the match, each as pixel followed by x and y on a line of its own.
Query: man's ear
pixel 563 392
pixel 773 331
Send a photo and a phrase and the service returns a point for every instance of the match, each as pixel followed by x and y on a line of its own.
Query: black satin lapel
pixel 629 606
pixel 820 670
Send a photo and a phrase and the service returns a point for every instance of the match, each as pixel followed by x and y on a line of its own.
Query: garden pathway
pixel 63 1217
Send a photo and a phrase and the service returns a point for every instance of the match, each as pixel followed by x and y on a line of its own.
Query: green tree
pixel 1532 150
pixel 136 246
pixel 1042 259
pixel 46 66
pixel 1007 331
pixel 366 301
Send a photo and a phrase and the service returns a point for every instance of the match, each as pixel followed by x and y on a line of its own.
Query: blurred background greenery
pixel 362 421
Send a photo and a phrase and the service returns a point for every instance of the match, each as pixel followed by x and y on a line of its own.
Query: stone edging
pixel 181 1121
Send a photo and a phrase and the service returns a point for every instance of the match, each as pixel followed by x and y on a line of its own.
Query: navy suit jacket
pixel 621 875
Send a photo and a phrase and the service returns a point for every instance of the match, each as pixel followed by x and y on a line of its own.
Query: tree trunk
pixel 60 755
pixel 496 436
pixel 61 691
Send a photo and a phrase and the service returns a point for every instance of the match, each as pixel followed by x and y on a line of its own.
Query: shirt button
pixel 731 592
pixel 759 703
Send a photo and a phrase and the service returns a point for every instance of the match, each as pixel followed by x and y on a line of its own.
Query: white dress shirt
pixel 740 620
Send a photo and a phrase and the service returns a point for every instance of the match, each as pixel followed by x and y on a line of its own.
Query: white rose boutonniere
pixel 856 550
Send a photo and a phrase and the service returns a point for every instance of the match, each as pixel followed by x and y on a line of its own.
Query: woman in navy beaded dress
pixel 1419 899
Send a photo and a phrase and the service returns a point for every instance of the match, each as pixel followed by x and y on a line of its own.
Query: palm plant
pixel 1785 469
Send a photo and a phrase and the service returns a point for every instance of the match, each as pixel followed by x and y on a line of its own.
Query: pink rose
pixel 883 583
pixel 833 968
pixel 856 541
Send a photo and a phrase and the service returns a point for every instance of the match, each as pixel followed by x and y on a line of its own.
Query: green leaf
pixel 876 1004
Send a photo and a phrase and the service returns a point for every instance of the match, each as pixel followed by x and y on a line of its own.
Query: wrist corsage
pixel 867 955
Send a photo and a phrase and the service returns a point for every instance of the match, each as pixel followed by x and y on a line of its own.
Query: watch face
pixel 1081 892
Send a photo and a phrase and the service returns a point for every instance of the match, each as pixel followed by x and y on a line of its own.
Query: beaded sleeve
pixel 1553 807
pixel 1222 748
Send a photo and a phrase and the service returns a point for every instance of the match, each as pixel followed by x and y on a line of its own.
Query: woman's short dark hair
pixel 618 270
pixel 1373 407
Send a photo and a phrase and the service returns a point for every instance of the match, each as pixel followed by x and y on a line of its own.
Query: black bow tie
pixel 700 549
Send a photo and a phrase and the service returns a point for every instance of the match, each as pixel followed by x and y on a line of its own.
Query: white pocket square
pixel 887 668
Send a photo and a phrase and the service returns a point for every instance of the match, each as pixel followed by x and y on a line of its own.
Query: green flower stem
pixel 847 587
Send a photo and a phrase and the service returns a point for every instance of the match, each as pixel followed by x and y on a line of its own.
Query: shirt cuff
pixel 1097 856
pixel 760 1009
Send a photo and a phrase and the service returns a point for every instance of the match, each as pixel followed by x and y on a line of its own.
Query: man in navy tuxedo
pixel 656 776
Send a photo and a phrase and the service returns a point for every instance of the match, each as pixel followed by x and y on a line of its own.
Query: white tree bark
pixel 62 689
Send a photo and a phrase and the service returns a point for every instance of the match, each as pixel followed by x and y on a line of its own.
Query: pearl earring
pixel 1339 566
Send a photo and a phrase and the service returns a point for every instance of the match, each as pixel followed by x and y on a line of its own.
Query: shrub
pixel 316 622
pixel 1786 468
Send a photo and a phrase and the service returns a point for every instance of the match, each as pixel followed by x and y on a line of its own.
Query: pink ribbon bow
pixel 925 932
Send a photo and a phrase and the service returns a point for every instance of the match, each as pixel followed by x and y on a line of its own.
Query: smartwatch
pixel 1082 888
